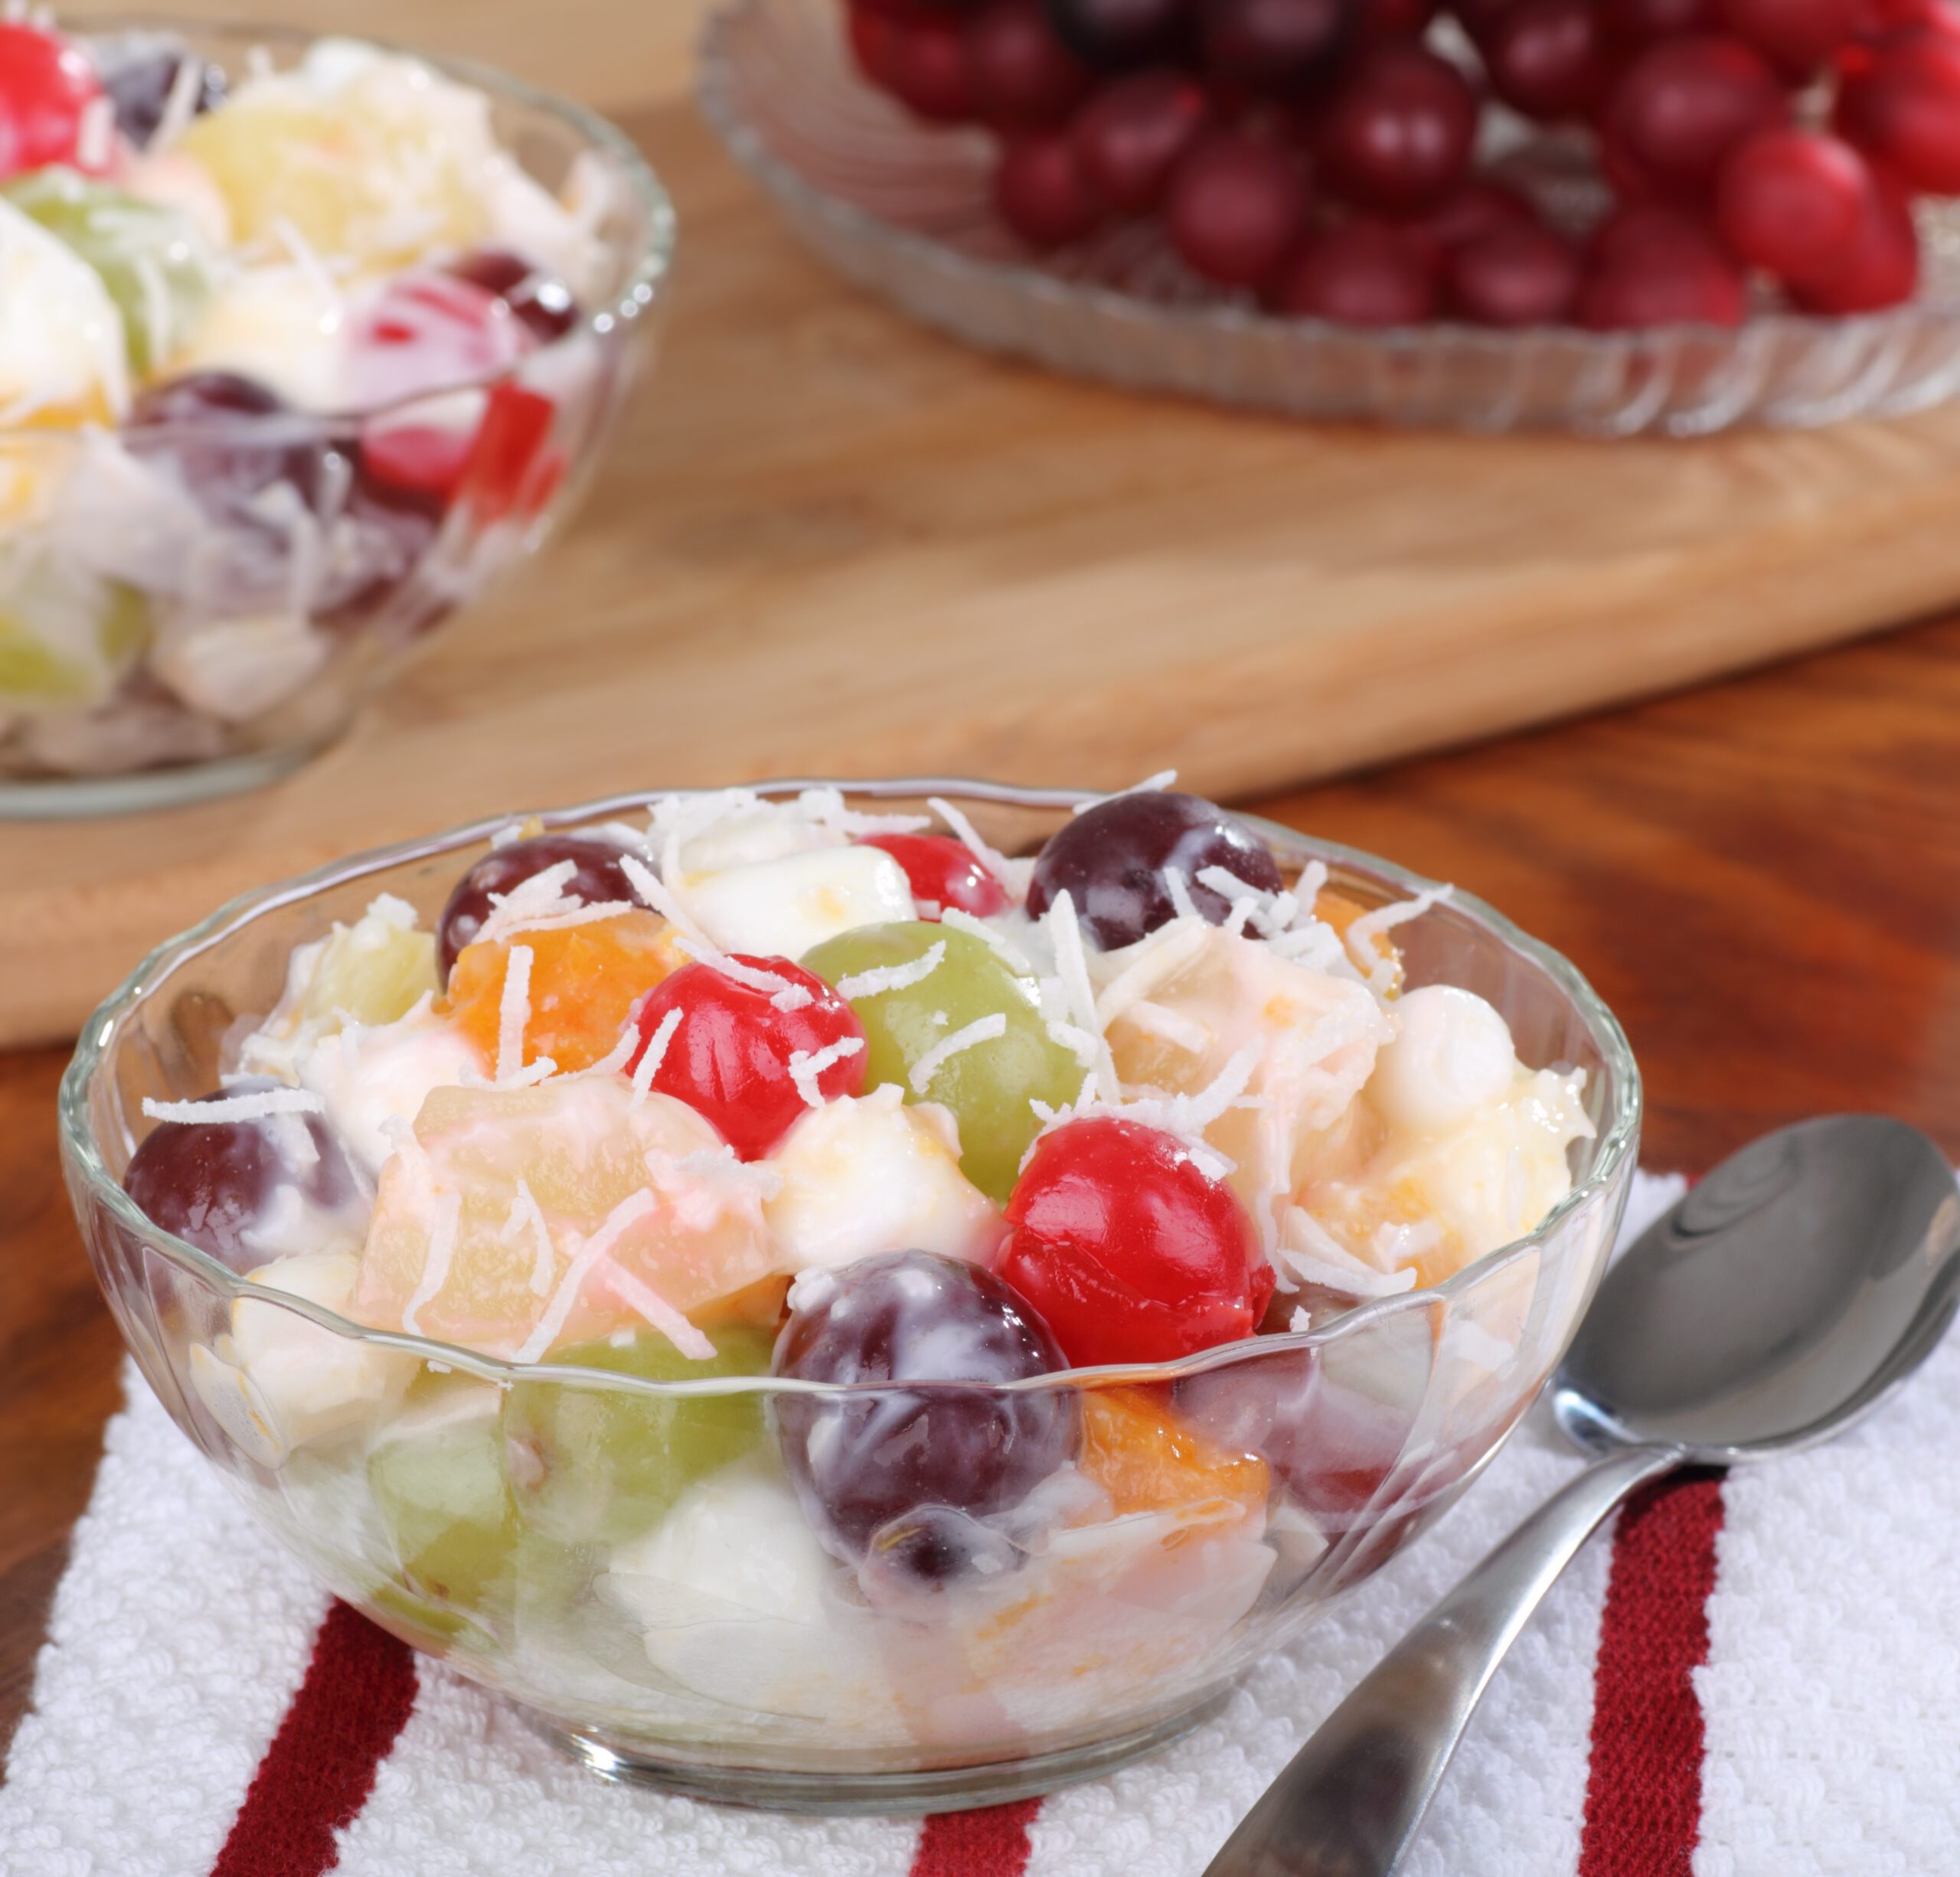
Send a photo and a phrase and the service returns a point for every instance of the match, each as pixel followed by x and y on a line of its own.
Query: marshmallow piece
pixel 783 908
pixel 1451 1054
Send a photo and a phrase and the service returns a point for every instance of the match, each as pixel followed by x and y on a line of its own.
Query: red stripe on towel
pixel 1643 1795
pixel 320 1767
pixel 991 1842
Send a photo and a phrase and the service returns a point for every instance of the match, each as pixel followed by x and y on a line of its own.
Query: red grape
pixel 212 1182
pixel 1526 275
pixel 1797 36
pixel 1270 45
pixel 1656 273
pixel 597 879
pixel 943 872
pixel 1131 136
pixel 45 86
pixel 1111 860
pixel 922 62
pixel 1480 17
pixel 1377 20
pixel 873 31
pixel 877 1467
pixel 1237 203
pixel 1788 199
pixel 543 303
pixel 1127 1250
pixel 1629 233
pixel 1398 137
pixel 1114 35
pixel 1360 274
pixel 1548 59
pixel 729 1057
pixel 1633 25
pixel 1474 208
pixel 1018 73
pixel 1683 106
pixel 1040 192
pixel 1902 109
pixel 1879 267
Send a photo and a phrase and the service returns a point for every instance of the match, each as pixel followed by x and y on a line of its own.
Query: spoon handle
pixel 1350 1801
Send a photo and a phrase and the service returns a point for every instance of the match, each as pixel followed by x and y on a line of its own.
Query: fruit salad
pixel 771 1172
pixel 289 359
pixel 1609 164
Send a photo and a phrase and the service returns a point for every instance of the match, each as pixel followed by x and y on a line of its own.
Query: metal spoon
pixel 1785 1297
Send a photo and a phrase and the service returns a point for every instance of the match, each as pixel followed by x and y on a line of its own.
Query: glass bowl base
pixel 80 798
pixel 939 1789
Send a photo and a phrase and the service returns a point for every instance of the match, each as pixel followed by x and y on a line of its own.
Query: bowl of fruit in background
pixel 303 340
pixel 762 1281
pixel 1601 216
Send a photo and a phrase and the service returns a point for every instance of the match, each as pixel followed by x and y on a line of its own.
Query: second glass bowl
pixel 720 1653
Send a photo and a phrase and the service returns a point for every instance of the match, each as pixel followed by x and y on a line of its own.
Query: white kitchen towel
pixel 178 1730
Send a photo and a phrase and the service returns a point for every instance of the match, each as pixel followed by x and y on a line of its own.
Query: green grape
pixel 989 1087
pixel 65 637
pixel 592 1464
pixel 437 1476
pixel 151 257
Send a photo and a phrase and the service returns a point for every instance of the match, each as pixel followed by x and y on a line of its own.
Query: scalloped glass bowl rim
pixel 1615 1143
pixel 753 150
pixel 634 297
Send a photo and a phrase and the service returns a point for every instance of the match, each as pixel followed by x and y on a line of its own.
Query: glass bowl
pixel 901 207
pixel 726 1655
pixel 219 647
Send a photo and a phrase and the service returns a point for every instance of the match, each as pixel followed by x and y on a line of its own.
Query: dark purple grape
pixel 541 301
pixel 230 439
pixel 876 1471
pixel 1114 35
pixel 1272 45
pixel 139 76
pixel 598 878
pixel 1111 860
pixel 211 1182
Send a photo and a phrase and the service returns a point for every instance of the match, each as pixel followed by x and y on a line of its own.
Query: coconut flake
pixel 805 1066
pixel 527 1219
pixel 1177 884
pixel 988 1028
pixel 1320 1257
pixel 648 1066
pixel 613 1062
pixel 180 104
pixel 615 1226
pixel 1011 956
pixel 257 1106
pixel 95 133
pixel 637 1294
pixel 1164 779
pixel 1072 965
pixel 990 858
pixel 435 1266
pixel 1379 971
pixel 513 1012
pixel 1171 1026
pixel 656 892
pixel 782 994
pixel 883 978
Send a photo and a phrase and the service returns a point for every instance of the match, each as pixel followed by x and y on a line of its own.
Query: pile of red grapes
pixel 1323 155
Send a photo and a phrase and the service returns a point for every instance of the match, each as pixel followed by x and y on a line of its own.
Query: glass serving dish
pixel 901 207
pixel 237 640
pixel 729 1657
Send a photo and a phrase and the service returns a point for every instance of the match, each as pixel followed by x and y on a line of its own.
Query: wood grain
pixel 1762 879
pixel 827 542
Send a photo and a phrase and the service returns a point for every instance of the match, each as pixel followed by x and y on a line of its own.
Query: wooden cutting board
pixel 826 542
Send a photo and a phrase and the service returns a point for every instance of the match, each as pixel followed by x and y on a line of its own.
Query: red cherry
pixel 872 34
pixel 1633 25
pixel 941 872
pixel 922 62
pixel 1378 20
pixel 1237 205
pixel 1133 133
pixel 1398 137
pixel 1521 277
pixel 1683 106
pixel 1797 36
pixel 1879 267
pixel 1269 45
pixel 1018 73
pixel 1477 207
pixel 1629 233
pixel 1479 17
pixel 1360 274
pixel 1903 111
pixel 1788 201
pixel 46 85
pixel 1040 192
pixel 509 470
pixel 1648 271
pixel 731 1056
pixel 1548 59
pixel 1128 1252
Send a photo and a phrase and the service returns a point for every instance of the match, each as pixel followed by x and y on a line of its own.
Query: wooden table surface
pixel 1762 878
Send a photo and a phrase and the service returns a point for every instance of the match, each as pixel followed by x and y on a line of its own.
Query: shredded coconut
pixel 663 900
pixel 513 1012
pixel 181 106
pixel 638 1295
pixel 435 1266
pixel 1179 886
pixel 1379 970
pixel 648 1066
pixel 1015 960
pixel 1072 964
pixel 1164 779
pixel 783 995
pixel 254 1107
pixel 527 1219
pixel 990 858
pixel 615 1226
pixel 988 1028
pixel 883 978
pixel 806 1065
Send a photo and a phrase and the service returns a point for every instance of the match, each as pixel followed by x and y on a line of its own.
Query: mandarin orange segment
pixel 584 982
pixel 1148 1459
